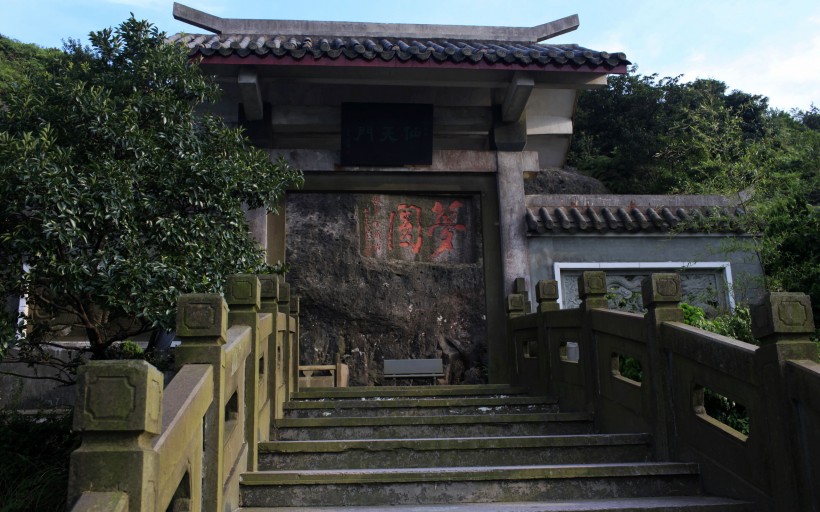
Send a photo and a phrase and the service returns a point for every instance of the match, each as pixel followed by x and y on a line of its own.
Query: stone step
pixel 429 486
pixel 454 452
pixel 654 504
pixel 412 427
pixel 358 392
pixel 397 406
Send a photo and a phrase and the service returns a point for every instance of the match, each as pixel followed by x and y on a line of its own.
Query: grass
pixel 35 451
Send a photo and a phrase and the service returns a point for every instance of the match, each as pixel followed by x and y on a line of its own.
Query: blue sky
pixel 760 47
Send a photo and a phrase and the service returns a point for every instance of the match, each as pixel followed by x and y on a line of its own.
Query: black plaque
pixel 387 134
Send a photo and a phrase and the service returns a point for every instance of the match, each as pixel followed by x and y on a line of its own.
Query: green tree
pixel 117 195
pixel 647 135
pixel 19 60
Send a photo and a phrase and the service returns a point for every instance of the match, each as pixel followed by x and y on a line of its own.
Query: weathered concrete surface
pixel 511 169
pixel 468 485
pixel 408 427
pixel 379 280
pixel 662 504
pixel 459 452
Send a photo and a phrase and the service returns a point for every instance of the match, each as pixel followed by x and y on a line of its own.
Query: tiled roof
pixel 555 214
pixel 399 49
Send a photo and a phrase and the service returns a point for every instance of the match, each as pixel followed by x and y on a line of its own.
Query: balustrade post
pixel 270 304
pixel 783 322
pixel 119 412
pixel 546 294
pixel 515 308
pixel 244 295
pixel 202 325
pixel 287 345
pixel 294 368
pixel 269 290
pixel 592 292
pixel 516 304
pixel 661 295
pixel 520 287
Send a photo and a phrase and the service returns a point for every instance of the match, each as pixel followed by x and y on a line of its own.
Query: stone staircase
pixel 454 448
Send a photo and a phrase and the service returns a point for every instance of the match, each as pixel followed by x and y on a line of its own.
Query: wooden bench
pixel 413 368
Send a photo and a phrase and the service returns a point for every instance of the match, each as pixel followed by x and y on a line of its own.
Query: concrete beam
pixel 515 101
pixel 510 136
pixel 250 93
pixel 349 29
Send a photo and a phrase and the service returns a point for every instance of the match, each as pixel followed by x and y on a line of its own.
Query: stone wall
pixel 389 276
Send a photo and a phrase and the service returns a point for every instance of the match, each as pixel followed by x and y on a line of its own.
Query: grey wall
pixel 747 274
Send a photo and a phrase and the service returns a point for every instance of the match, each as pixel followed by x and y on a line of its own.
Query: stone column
pixel 512 210
pixel 243 295
pixel 783 322
pixel 257 220
pixel 546 294
pixel 661 294
pixel 202 325
pixel 119 412
pixel 592 292
pixel 294 367
pixel 276 347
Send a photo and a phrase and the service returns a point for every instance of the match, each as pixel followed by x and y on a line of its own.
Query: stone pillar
pixel 119 412
pixel 546 294
pixel 277 235
pixel 520 286
pixel 592 292
pixel 294 368
pixel 288 351
pixel 661 294
pixel 270 304
pixel 783 322
pixel 244 295
pixel 257 220
pixel 515 305
pixel 202 325
pixel 512 210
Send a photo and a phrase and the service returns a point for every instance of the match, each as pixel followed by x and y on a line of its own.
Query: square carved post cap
pixel 592 283
pixel 782 313
pixel 515 304
pixel 243 291
pixel 294 306
pixel 203 317
pixel 520 285
pixel 546 290
pixel 546 293
pixel 661 289
pixel 119 396
pixel 269 286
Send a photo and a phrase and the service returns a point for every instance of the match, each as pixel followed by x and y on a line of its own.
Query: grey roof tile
pixel 570 214
pixel 403 49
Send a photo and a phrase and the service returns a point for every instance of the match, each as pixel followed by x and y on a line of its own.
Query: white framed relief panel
pixel 707 284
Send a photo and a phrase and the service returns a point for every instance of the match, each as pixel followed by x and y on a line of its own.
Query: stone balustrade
pixel 182 447
pixel 674 366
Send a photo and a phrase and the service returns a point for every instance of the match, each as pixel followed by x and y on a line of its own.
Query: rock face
pixel 562 181
pixel 389 277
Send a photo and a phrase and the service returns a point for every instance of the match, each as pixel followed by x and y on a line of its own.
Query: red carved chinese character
pixel 410 227
pixel 446 224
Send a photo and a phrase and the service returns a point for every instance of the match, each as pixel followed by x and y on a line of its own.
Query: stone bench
pixel 413 368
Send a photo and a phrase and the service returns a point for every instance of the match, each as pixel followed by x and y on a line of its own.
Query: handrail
pixel 184 447
pixel 776 466
pixel 187 398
